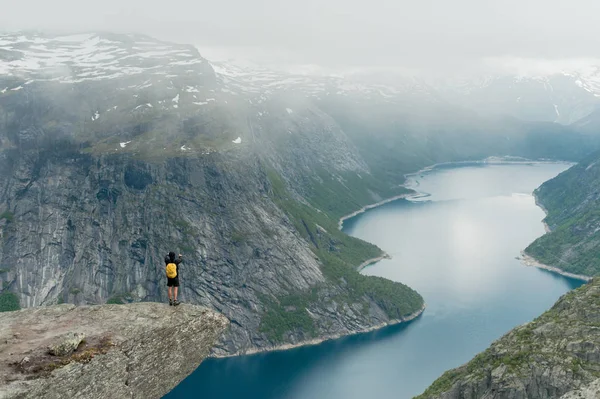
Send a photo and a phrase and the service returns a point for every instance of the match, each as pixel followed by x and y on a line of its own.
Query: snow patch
pixel 289 111
pixel 200 102
pixel 88 57
pixel 556 110
pixel 184 148
pixel 96 116
pixel 124 144
pixel 238 140
pixel 17 88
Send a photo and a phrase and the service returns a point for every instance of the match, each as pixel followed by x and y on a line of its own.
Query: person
pixel 172 268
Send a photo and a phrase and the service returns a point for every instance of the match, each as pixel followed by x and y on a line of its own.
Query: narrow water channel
pixel 457 246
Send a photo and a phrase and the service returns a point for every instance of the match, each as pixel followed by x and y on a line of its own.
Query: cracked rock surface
pixel 140 350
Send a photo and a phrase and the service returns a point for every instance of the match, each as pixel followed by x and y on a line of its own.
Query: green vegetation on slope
pixel 558 340
pixel 8 216
pixel 9 302
pixel 572 201
pixel 288 313
pixel 339 195
pixel 340 255
pixel 116 300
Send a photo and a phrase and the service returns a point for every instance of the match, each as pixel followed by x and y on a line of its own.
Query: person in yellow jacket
pixel 172 269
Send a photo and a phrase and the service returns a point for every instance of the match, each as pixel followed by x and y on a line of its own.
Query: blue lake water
pixel 457 247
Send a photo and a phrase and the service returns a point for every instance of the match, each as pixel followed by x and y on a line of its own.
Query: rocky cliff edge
pixel 140 350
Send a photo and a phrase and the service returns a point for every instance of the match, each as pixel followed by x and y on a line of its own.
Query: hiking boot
pixel 170 302
pixel 176 302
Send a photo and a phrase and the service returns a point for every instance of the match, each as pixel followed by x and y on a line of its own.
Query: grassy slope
pixel 9 302
pixel 572 200
pixel 340 255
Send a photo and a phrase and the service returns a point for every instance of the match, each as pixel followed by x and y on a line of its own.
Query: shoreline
pixel 369 207
pixel 372 261
pixel 532 262
pixel 487 161
pixel 539 205
pixel 529 260
pixel 317 341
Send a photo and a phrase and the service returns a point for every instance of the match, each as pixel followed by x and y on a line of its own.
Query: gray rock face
pixel 140 350
pixel 555 356
pixel 197 207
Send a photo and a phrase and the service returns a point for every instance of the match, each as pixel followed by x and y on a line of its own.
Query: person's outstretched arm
pixel 179 260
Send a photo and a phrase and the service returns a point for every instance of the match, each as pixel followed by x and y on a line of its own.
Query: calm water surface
pixel 457 248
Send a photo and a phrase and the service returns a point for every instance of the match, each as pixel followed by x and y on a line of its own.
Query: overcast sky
pixel 421 34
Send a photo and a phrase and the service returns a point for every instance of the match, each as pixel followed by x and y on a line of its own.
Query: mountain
pixel 116 149
pixel 554 356
pixel 558 97
pixel 572 201
pixel 562 97
pixel 135 149
pixel 589 124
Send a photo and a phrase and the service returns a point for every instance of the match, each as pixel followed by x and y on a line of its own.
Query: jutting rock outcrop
pixel 140 350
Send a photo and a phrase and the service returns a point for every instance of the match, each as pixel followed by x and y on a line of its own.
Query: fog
pixel 425 35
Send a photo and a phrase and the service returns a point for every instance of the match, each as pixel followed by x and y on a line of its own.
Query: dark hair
pixel 172 255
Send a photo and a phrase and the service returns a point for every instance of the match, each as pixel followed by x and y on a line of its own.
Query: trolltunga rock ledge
pixel 139 350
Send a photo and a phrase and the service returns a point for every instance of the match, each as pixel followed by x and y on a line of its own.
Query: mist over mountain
pixel 117 148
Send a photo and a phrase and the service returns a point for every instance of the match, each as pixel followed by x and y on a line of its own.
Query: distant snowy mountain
pixel 129 86
pixel 159 75
pixel 563 98
pixel 262 81
pixel 93 57
pixel 560 97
